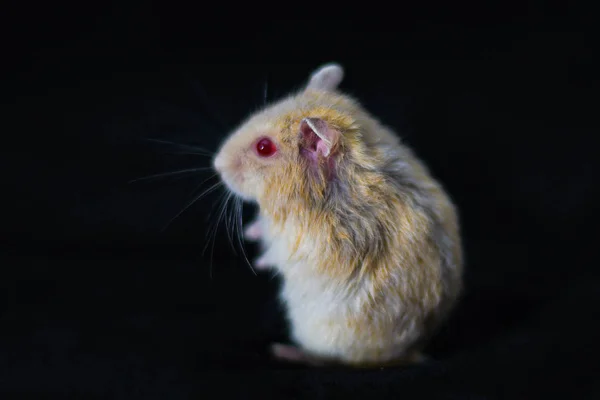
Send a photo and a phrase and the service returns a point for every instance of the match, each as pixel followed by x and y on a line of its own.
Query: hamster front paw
pixel 262 263
pixel 254 231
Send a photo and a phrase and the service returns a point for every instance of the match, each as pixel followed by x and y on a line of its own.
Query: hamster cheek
pixel 254 185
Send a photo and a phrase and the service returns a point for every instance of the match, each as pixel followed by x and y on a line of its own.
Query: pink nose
pixel 218 163
pixel 227 164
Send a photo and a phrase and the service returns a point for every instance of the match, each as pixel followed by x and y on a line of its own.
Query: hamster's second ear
pixel 327 77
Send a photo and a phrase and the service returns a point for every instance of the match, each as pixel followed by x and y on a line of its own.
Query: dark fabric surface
pixel 100 296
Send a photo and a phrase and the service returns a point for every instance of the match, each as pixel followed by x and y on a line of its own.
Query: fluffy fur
pixel 366 240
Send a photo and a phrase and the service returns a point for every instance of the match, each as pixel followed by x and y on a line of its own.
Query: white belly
pixel 318 318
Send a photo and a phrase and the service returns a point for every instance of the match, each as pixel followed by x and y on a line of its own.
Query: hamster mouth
pixel 234 183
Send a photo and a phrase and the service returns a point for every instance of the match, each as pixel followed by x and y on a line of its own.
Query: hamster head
pixel 297 149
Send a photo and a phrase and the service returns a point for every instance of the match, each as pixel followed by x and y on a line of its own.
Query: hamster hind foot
pixel 292 354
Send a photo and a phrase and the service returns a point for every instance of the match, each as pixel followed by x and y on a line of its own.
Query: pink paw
pixel 292 354
pixel 253 231
pixel 261 263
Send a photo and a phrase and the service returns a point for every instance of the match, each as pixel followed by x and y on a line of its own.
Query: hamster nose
pixel 218 163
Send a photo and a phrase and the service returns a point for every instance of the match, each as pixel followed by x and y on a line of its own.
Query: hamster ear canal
pixel 327 77
pixel 317 137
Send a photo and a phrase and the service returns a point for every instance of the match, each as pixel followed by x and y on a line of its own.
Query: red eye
pixel 265 147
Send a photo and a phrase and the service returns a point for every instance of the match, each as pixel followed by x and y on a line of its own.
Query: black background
pixel 97 299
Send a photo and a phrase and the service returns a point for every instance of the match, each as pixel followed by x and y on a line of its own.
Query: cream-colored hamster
pixel 366 240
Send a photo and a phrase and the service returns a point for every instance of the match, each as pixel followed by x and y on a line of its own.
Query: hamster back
pixel 366 240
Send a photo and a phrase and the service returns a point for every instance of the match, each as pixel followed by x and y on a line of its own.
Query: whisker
pixel 196 149
pixel 239 209
pixel 220 216
pixel 212 214
pixel 228 220
pixel 207 191
pixel 189 153
pixel 208 105
pixel 223 213
pixel 265 91
pixel 213 224
pixel 202 183
pixel 182 171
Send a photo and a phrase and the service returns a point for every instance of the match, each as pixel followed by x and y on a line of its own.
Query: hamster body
pixel 366 240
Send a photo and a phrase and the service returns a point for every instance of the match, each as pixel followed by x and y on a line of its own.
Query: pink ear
pixel 318 137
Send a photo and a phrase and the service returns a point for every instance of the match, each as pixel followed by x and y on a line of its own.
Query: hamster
pixel 366 240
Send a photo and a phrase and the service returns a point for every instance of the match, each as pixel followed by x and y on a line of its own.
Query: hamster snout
pixel 227 165
pixel 230 169
pixel 219 163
